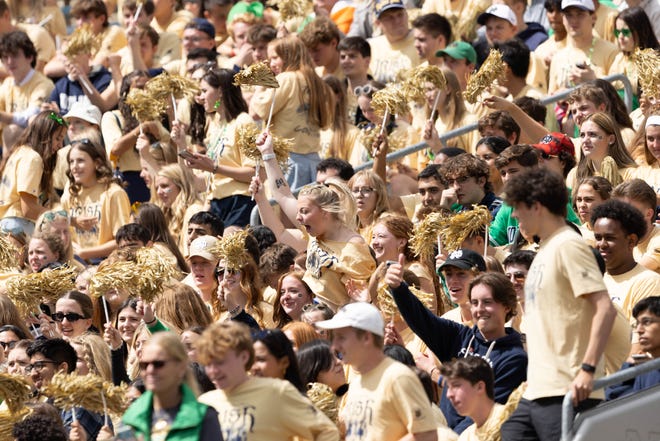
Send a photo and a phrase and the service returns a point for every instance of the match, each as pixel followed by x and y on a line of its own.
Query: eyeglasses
pixel 39 365
pixel 220 271
pixel 460 180
pixel 362 191
pixel 645 322
pixel 157 364
pixel 315 307
pixel 519 276
pixel 70 316
pixel 364 90
pixel 624 32
pixel 8 344
pixel 546 156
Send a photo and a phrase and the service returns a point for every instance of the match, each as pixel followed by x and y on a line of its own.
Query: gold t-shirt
pixel 488 429
pixel 600 56
pixel 630 287
pixel 22 174
pixel 649 248
pixel 387 59
pixel 33 93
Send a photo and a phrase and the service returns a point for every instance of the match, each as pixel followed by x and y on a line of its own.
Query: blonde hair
pixel 172 345
pixel 44 224
pixel 96 354
pixel 187 196
pixel 334 197
pixel 380 189
pixel 219 338
pixel 182 307
pixel 54 243
pixel 402 228
pixel 453 101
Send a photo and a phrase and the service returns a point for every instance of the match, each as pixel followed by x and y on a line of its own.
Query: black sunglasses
pixel 157 364
pixel 70 316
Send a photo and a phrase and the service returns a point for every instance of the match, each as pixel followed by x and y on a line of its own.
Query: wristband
pixel 268 156
pixel 588 368
pixel 434 368
pixel 151 322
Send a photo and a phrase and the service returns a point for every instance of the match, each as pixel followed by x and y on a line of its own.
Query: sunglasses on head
pixel 70 316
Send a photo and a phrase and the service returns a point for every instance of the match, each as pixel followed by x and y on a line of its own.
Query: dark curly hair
pixel 538 185
pixel 39 426
pixel 629 218
pixel 466 166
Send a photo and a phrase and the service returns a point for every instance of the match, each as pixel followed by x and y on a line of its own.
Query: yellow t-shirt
pixel 489 428
pixel 113 38
pixel 546 50
pixel 455 316
pixel 290 118
pixel 649 248
pixel 176 25
pixel 42 40
pixel 22 174
pixel 558 317
pixel 32 94
pixel 630 287
pixel 618 344
pixel 387 59
pixel 599 56
pixel 331 264
pixel 109 204
pixel 111 128
pixel 169 48
pixel 385 404
pixel 650 174
pixel 267 409
pixel 220 137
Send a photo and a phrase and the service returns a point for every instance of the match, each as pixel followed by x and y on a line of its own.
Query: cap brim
pixel 456 263
pixel 483 17
pixel 389 7
pixel 334 323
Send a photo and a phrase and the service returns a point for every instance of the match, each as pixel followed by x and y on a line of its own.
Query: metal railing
pixel 568 413
pixel 627 99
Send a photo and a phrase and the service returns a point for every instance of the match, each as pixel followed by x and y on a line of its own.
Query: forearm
pixel 240 174
pixel 280 189
pixel 125 143
pixel 30 207
pixel 528 125
pixel 601 328
pixel 98 251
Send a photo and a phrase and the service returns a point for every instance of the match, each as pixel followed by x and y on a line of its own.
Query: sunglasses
pixel 8 344
pixel 365 90
pixel 157 364
pixel 220 271
pixel 624 32
pixel 545 155
pixel 70 316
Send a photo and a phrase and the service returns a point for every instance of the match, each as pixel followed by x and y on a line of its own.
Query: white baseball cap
pixel 587 5
pixel 359 315
pixel 500 11
pixel 85 111
pixel 202 247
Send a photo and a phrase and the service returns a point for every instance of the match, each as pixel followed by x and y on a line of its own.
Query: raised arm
pixel 531 128
pixel 276 180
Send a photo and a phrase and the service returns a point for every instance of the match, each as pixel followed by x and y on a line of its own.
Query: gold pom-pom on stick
pixel 8 252
pixel 117 275
pixel 140 5
pixel 426 298
pixel 492 69
pixel 27 291
pixel 290 9
pixel 414 86
pixel 257 74
pixel 172 87
pixel 144 107
pixel 464 225
pixel 232 251
pixel 153 272
pixel 82 41
pixel 425 235
pixel 324 399
pixel 647 62
pixel 389 101
pixel 14 390
pixel 386 302
pixel 246 140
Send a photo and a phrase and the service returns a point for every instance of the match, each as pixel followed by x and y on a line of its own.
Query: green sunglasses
pixel 624 32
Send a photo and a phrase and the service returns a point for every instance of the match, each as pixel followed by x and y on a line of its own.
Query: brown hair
pixel 501 289
pixel 402 228
pixel 221 337
pixel 279 316
pixel 182 308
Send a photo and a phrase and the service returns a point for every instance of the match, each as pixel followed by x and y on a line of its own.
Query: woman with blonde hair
pixel 93 356
pixel 178 199
pixel 303 106
pixel 338 140
pixel 182 308
pixel 603 152
pixel 370 193
pixel 647 153
pixel 9 315
pixel 45 249
pixel 58 222
pixel 169 407
pixel 292 295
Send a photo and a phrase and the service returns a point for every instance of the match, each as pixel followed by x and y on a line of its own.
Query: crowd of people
pixel 296 297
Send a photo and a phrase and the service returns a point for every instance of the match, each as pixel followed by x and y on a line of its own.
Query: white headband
pixel 653 120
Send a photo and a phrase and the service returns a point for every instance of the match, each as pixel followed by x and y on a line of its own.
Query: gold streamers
pixel 647 62
pixel 232 250
pixel 8 252
pixel 291 8
pixel 15 391
pixel 425 235
pixel 144 107
pixel 464 225
pixel 258 74
pixel 385 300
pixel 72 390
pixel 27 291
pixel 9 419
pixel 162 87
pixel 464 24
pixel 118 275
pixel 414 85
pixel 492 69
pixel 82 41
pixel 246 140
pixel 391 100
pixel 154 271
pixel 324 399
pixel 426 298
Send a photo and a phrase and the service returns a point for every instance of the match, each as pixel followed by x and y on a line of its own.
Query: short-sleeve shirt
pixel 22 174
pixel 387 59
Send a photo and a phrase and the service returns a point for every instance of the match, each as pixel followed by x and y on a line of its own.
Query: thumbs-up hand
pixel 394 274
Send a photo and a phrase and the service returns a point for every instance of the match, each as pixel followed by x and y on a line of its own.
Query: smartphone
pixel 185 154
pixel 45 309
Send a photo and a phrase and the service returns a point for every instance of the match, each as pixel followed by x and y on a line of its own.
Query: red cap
pixel 554 143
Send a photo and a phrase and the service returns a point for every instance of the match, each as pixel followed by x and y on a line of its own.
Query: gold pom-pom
pixel 425 235
pixel 82 41
pixel 72 390
pixel 257 74
pixel 144 107
pixel 386 302
pixel 154 271
pixel 232 251
pixel 464 25
pixel 27 291
pixel 464 225
pixel 492 69
pixel 414 85
pixel 8 252
pixel 15 391
pixel 428 299
pixel 647 63
pixel 8 420
pixel 324 399
pixel 390 99
pixel 246 140
pixel 119 275
pixel 290 9
pixel 163 86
